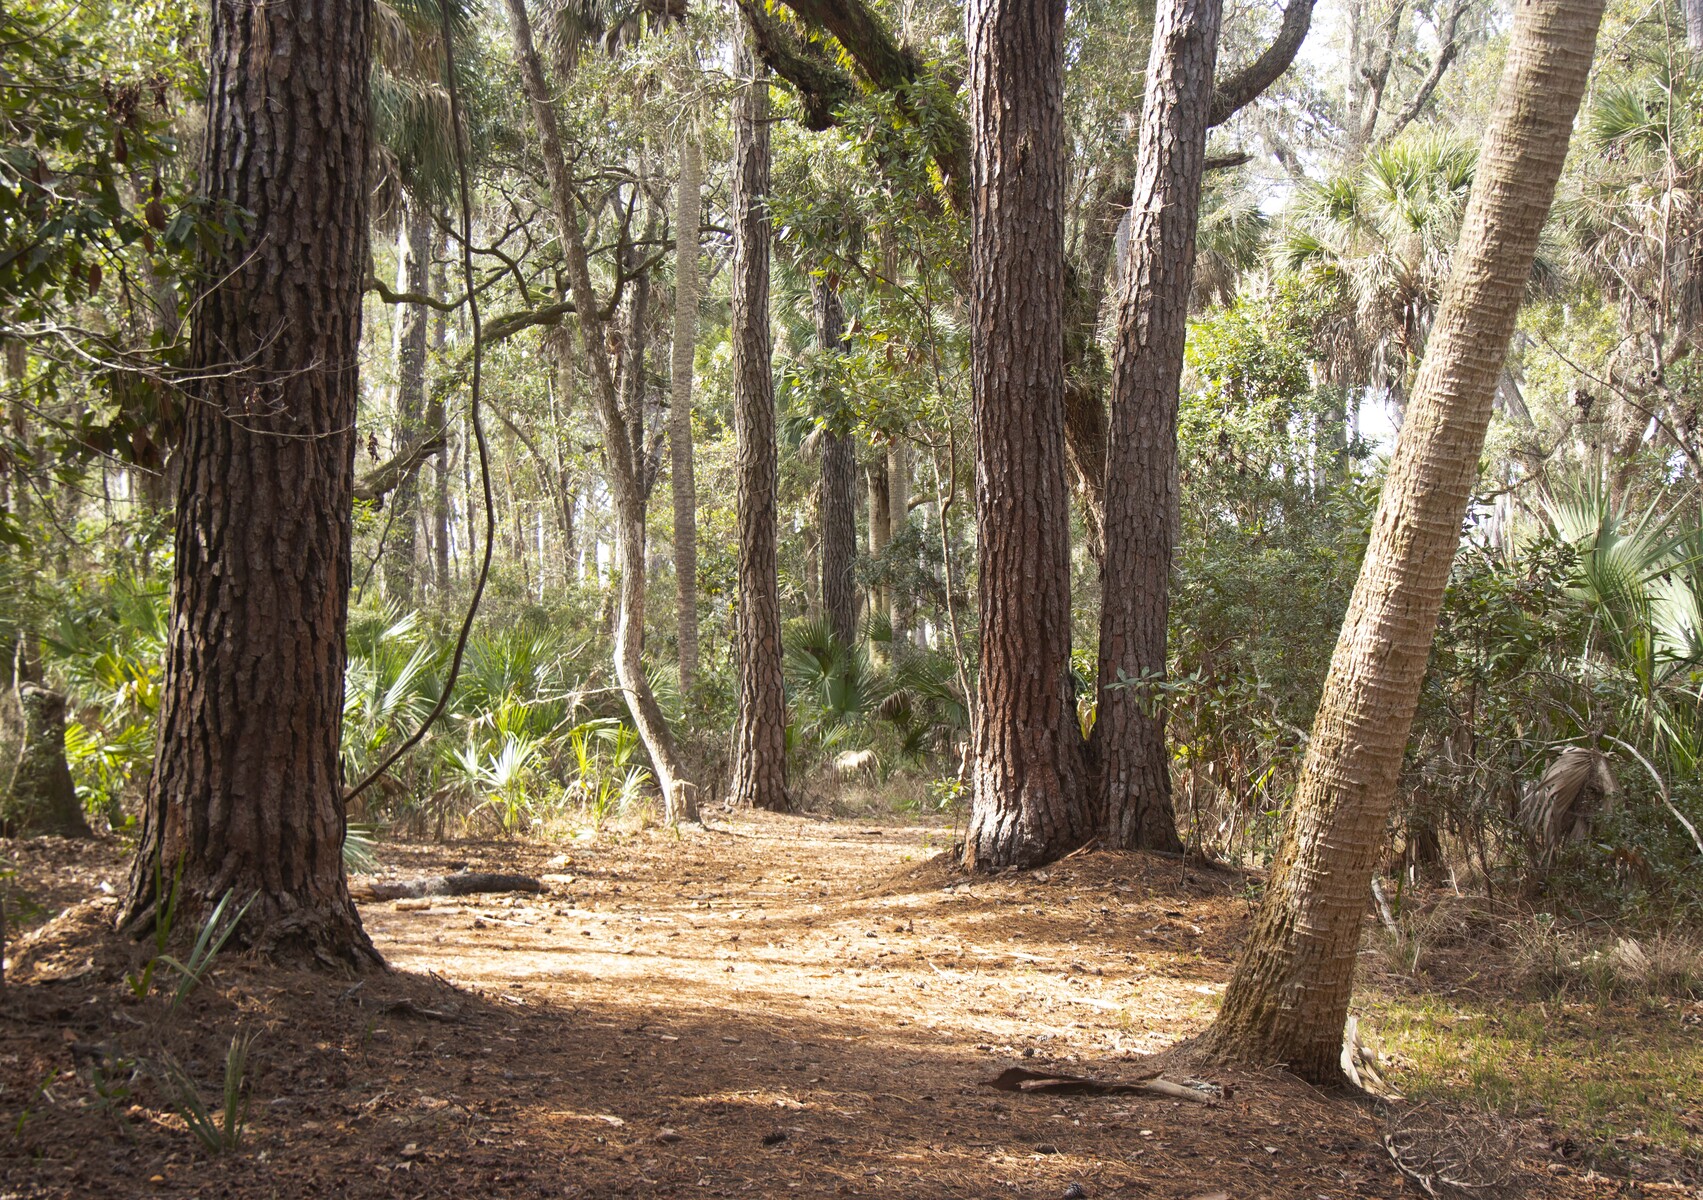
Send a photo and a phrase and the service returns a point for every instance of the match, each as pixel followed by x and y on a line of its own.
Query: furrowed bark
pixel 759 732
pixel 1131 757
pixel 246 795
pixel 1029 788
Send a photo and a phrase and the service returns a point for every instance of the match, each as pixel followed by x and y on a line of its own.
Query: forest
pixel 896 598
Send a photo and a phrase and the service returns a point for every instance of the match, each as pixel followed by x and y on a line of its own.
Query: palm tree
pixel 1635 226
pixel 1288 1001
pixel 1376 243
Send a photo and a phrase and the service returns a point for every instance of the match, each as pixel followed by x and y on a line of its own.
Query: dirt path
pixel 779 1007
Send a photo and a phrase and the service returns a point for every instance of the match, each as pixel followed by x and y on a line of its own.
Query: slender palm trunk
pixel 1288 1000
pixel 688 217
pixel 1029 797
pixel 247 790
pixel 623 466
pixel 1133 761
pixel 759 733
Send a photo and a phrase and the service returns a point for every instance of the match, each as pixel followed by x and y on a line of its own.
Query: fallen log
pixel 462 883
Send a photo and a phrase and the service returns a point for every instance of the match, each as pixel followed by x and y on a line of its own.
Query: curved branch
pixel 1248 84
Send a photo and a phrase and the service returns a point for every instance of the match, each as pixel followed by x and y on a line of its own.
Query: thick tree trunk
pixel 1694 26
pixel 1132 760
pixel 759 732
pixel 622 465
pixel 247 789
pixel 682 479
pixel 1288 1000
pixel 42 798
pixel 1029 778
pixel 413 275
pixel 836 507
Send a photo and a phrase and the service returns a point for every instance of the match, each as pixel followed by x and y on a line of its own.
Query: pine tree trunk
pixel 759 734
pixel 688 217
pixel 1133 762
pixel 836 508
pixel 623 467
pixel 1288 1000
pixel 247 789
pixel 413 275
pixel 1029 798
pixel 42 797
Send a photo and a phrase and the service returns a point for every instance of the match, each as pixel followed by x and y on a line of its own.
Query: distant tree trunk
pixel 759 734
pixel 836 508
pixel 898 514
pixel 441 468
pixel 1694 26
pixel 42 798
pixel 688 217
pixel 624 468
pixel 1133 762
pixel 1029 802
pixel 246 795
pixel 1288 1000
pixel 413 275
pixel 880 527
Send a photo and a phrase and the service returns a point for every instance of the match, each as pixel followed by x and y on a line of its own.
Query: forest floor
pixel 778 1006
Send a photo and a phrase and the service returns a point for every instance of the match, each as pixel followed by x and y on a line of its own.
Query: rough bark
pixel 682 479
pixel 1132 759
pixel 42 798
pixel 1029 788
pixel 1288 1000
pixel 623 468
pixel 759 733
pixel 247 789
pixel 1694 26
pixel 836 506
pixel 413 275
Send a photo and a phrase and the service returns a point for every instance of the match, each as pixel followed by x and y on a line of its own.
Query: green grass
pixel 1619 1078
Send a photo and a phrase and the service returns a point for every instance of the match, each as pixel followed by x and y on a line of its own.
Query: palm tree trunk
pixel 1029 785
pixel 1288 1000
pixel 623 467
pixel 1133 761
pixel 759 734
pixel 688 216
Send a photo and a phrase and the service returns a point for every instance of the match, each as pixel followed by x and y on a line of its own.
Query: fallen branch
pixel 462 883
pixel 1018 1079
